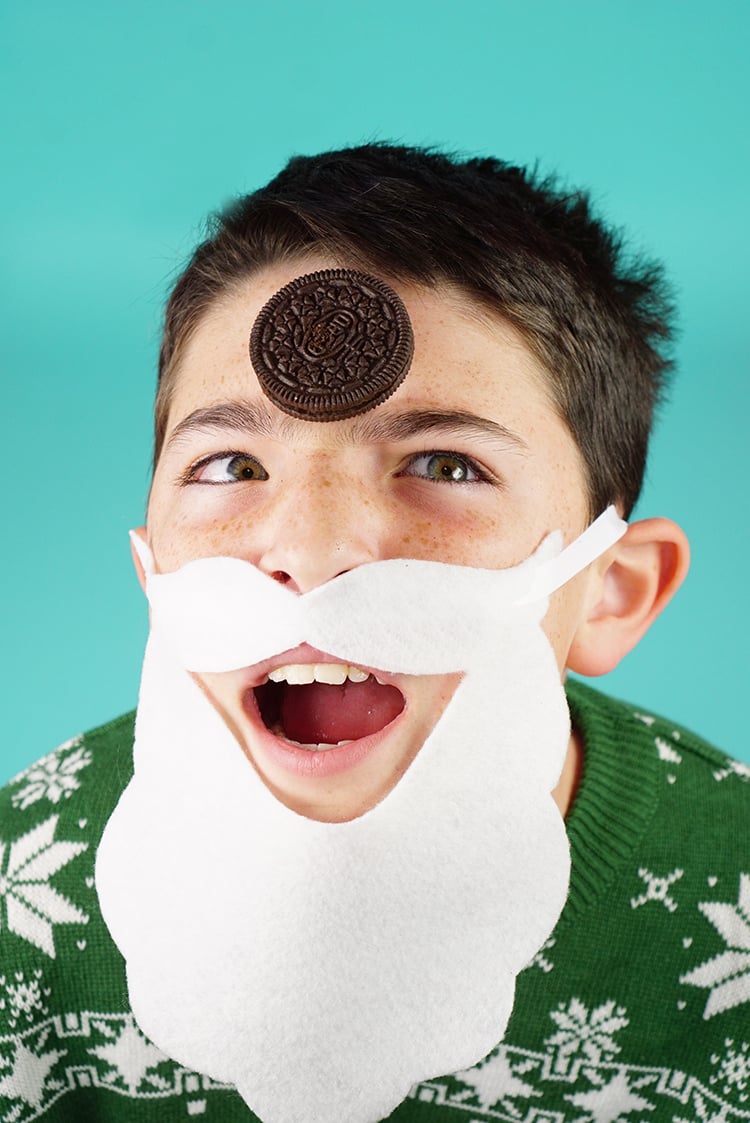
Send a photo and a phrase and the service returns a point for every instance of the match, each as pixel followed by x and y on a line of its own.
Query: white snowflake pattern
pixel 589 1034
pixel 657 889
pixel 704 1111
pixel 25 997
pixel 32 905
pixel 666 751
pixel 54 777
pixel 605 1103
pixel 726 975
pixel 734 1069
pixel 540 960
pixel 495 1081
pixel 733 768
pixel 130 1056
pixel 28 1079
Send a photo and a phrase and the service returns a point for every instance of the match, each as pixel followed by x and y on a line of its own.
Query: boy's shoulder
pixel 86 772
pixel 639 1000
pixel 661 746
pixel 52 815
pixel 67 1035
pixel 652 792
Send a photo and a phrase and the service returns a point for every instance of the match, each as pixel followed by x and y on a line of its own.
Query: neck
pixel 570 777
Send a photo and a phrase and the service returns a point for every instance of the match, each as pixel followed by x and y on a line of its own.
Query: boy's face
pixel 467 463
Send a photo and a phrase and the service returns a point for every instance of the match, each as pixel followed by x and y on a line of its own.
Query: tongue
pixel 322 714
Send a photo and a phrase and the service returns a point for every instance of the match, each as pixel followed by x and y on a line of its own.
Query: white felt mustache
pixel 373 614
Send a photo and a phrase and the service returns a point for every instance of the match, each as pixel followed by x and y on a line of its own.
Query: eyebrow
pixel 255 418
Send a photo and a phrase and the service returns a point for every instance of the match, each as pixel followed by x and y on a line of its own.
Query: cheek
pixel 224 692
pixel 455 537
pixel 175 541
pixel 563 618
pixel 181 532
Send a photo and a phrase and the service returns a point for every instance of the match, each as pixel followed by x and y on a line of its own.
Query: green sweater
pixel 637 1008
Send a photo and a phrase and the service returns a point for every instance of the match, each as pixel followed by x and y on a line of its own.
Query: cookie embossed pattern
pixel 331 344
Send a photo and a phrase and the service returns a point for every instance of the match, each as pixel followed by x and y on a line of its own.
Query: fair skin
pixel 317 499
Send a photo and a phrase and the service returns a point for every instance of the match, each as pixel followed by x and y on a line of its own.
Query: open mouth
pixel 319 706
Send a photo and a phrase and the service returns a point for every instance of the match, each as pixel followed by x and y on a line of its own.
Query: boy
pixel 501 367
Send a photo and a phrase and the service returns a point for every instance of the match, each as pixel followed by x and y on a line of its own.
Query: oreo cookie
pixel 331 344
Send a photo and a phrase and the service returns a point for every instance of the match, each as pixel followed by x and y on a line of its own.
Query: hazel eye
pixel 234 468
pixel 446 467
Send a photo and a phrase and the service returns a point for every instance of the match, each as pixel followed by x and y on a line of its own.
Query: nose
pixel 319 530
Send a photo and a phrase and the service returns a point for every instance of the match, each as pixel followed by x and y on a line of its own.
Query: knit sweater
pixel 636 1008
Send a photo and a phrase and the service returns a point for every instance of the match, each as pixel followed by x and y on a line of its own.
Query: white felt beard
pixel 325 968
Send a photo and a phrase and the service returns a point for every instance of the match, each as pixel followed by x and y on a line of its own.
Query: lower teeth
pixel 319 748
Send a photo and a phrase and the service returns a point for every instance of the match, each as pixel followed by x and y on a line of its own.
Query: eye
pixel 446 467
pixel 235 467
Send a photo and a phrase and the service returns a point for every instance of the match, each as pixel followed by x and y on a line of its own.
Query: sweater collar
pixel 616 798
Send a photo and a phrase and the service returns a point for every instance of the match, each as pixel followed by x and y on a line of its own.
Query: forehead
pixel 464 357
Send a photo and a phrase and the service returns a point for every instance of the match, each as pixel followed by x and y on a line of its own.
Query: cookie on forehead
pixel 331 344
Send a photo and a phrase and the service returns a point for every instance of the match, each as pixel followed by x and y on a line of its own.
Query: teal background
pixel 125 125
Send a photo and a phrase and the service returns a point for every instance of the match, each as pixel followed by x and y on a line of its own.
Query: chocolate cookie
pixel 331 344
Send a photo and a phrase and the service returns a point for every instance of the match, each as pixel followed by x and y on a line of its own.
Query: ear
pixel 140 532
pixel 628 588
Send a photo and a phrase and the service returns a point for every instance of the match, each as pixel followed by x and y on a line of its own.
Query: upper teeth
pixel 298 674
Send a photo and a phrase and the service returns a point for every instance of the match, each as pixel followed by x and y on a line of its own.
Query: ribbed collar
pixel 616 798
